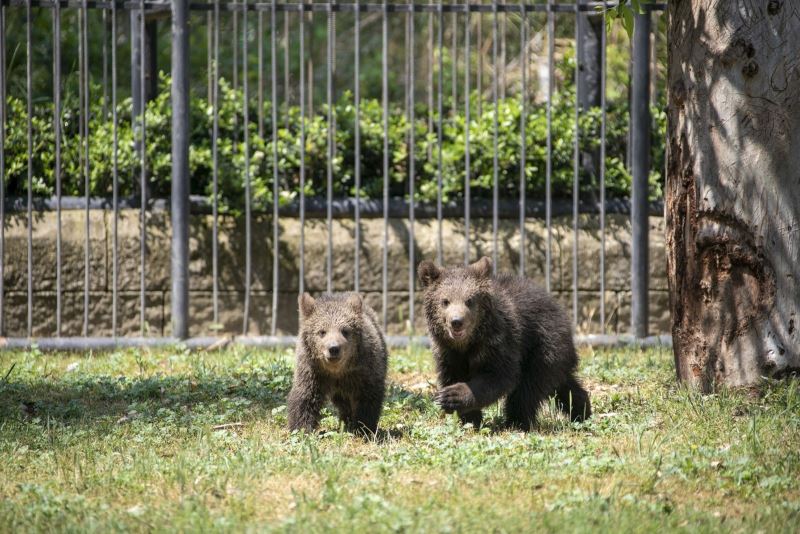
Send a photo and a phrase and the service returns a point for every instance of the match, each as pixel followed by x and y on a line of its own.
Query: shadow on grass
pixel 88 398
pixel 550 420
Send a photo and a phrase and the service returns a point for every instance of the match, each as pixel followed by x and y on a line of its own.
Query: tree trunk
pixel 733 189
pixel 589 72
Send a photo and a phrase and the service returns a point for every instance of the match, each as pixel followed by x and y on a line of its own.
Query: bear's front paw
pixel 457 397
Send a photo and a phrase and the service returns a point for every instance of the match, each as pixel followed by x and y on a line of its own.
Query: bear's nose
pixel 457 323
pixel 333 352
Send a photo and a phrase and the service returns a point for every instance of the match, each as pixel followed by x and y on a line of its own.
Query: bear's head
pixel 330 327
pixel 456 299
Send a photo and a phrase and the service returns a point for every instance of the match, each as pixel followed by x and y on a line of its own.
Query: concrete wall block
pixel 157 253
pixel 73 246
pixel 659 315
pixel 231 313
pixel 231 253
pixel 72 313
pixel 231 269
pixel 589 311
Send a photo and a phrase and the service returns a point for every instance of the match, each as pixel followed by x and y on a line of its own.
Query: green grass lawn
pixel 173 440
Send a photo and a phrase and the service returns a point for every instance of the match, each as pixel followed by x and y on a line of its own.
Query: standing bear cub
pixel 341 356
pixel 495 336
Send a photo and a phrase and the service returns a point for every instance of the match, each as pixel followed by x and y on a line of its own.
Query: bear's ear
pixel 482 268
pixel 428 273
pixel 307 304
pixel 355 302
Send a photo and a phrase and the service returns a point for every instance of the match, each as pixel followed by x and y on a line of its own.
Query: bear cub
pixel 341 356
pixel 499 336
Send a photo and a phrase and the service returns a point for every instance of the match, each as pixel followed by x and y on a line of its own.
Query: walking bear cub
pixel 341 356
pixel 495 336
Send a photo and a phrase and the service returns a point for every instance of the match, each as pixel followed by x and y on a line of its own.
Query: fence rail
pixel 256 30
pixel 327 7
pixel 343 208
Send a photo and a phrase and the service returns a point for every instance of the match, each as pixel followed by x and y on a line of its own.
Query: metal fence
pixel 259 31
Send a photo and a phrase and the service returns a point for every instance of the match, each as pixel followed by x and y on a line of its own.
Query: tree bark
pixel 589 69
pixel 733 189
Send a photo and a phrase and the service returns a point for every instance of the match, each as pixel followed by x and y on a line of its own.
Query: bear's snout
pixel 334 352
pixel 457 321
pixel 334 348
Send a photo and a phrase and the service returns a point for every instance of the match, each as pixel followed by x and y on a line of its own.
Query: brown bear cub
pixel 495 336
pixel 341 356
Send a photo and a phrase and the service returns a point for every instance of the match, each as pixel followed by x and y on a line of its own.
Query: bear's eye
pixel 445 303
pixel 346 332
pixel 321 333
pixel 468 303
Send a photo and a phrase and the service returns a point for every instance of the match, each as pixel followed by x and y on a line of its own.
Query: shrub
pixel 231 158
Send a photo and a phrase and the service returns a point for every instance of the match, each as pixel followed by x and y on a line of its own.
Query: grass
pixel 173 440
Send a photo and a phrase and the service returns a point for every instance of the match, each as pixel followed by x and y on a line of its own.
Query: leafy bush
pixel 231 158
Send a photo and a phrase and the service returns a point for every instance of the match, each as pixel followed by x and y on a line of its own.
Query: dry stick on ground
pixel 227 425
pixel 5 378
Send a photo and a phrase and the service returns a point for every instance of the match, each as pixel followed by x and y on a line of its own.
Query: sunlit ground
pixel 170 439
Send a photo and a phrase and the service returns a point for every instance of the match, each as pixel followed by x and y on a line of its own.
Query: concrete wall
pixel 231 269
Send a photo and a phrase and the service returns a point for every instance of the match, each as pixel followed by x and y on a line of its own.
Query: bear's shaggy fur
pixel 495 336
pixel 341 356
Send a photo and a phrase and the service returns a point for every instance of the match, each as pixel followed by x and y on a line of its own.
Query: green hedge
pixel 231 149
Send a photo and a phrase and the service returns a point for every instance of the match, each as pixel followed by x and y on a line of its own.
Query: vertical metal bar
pixel 28 88
pixel 105 63
pixel 523 123
pixel 479 50
pixel 86 176
pixel 275 193
pixel 430 76
pixel 454 62
pixel 142 177
pixel 286 89
pixel 180 169
pixel 406 60
pixel 503 21
pixel 215 171
pixel 548 195
pixel 385 105
pixel 357 163
pixel 235 73
pixel 309 9
pixel 260 39
pixel 495 170
pixel 57 132
pixel 248 246
pixel 2 167
pixel 329 219
pixel 411 170
pixel 629 147
pixel 150 49
pixel 302 63
pixel 439 108
pixel 467 101
pixel 576 163
pixel 640 131
pixel 137 57
pixel 115 178
pixel 209 58
pixel 603 42
pixel 654 56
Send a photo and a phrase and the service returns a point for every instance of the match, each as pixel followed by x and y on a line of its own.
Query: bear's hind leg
pixel 345 409
pixel 522 406
pixel 367 413
pixel 573 400
pixel 475 418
